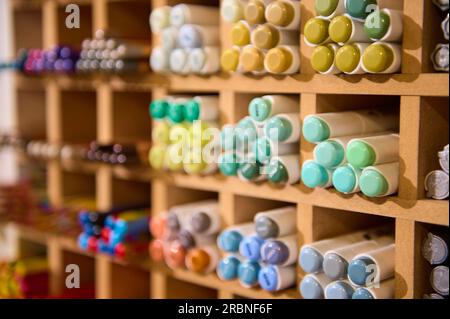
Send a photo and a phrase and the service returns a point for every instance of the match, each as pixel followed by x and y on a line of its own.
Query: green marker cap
pixel 176 112
pixel 373 183
pixel 316 30
pixel 329 154
pixel 360 154
pixel 260 109
pixel 263 150
pixel 158 109
pixel 325 7
pixel 249 171
pixel 358 8
pixel 377 24
pixel 192 111
pixel 344 179
pixel 228 164
pixel 322 58
pixel 347 58
pixel 246 130
pixel 340 29
pixel 278 173
pixel 278 129
pixel 315 130
pixel 314 175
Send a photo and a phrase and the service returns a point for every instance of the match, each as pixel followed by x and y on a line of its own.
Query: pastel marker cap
pixel 228 138
pixel 159 19
pixel 200 222
pixel 373 184
pixel 377 58
pixel 198 260
pixel 266 228
pixel 314 175
pixel 246 130
pixel 265 36
pixel 252 59
pixel 240 34
pixel 310 288
pixel 176 255
pixel 186 239
pixel 339 290
pixel 278 129
pixel 230 60
pixel 310 260
pixel 156 250
pixel 439 280
pixel 228 268
pixel 322 58
pixel 158 109
pixel 358 8
pixel 278 60
pixel 228 164
pixel 176 112
pixel 280 14
pixel 161 133
pixel 278 173
pixel 329 153
pixel 260 109
pixel 83 241
pixel 254 12
pixel 316 30
pixel 249 171
pixel 229 241
pixel 348 58
pixel 360 154
pixel 340 29
pixel 263 150
pixel 345 179
pixel 248 273
pixel 357 270
pixel 250 247
pixel 362 293
pixel 156 156
pixel 434 249
pixel 173 159
pixel 192 110
pixel 232 11
pixel 275 252
pixel 325 7
pixel 377 25
pixel 268 278
pixel 334 266
pixel 315 130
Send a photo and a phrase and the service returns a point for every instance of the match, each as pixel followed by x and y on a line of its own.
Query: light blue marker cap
pixel 250 247
pixel 310 288
pixel 362 293
pixel 315 130
pixel 329 154
pixel 339 290
pixel 248 273
pixel 268 278
pixel 246 131
pixel 260 109
pixel 189 37
pixel 314 175
pixel 229 241
pixel 345 179
pixel 310 260
pixel 228 268
pixel 334 266
pixel 83 241
pixel 358 270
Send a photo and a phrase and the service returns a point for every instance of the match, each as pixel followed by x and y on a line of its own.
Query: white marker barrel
pixel 203 107
pixel 276 278
pixel 204 61
pixel 262 108
pixel 277 222
pixel 284 60
pixel 282 251
pixel 182 14
pixel 284 14
pixel 381 180
pixel 196 36
pixel 313 286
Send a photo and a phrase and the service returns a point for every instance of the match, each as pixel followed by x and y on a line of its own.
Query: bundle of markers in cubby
pixel 440 55
pixel 354 37
pixel 190 39
pixel 435 251
pixel 265 144
pixel 356 151
pixel 437 181
pixel 359 265
pixel 263 253
pixel 185 236
pixel 183 134
pixel 112 54
pixel 265 36
pixel 59 59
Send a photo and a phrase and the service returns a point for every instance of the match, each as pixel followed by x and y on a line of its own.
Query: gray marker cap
pixel 311 260
pixel 435 249
pixel 200 222
pixel 266 227
pixel 339 290
pixel 173 222
pixel 334 266
pixel 439 280
pixel 437 185
pixel 186 239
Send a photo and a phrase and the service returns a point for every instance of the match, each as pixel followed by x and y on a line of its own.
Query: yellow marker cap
pixel 160 133
pixel 322 58
pixel 156 156
pixel 174 157
pixel 340 29
pixel 230 60
pixel 194 163
pixel 252 59
pixel 280 13
pixel 265 36
pixel 316 30
pixel 254 12
pixel 377 58
pixel 240 34
pixel 278 60
pixel 347 58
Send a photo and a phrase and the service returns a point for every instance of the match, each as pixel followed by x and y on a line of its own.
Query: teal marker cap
pixel 358 270
pixel 344 179
pixel 228 164
pixel 246 130
pixel 377 25
pixel 360 154
pixel 315 130
pixel 158 109
pixel 192 111
pixel 329 154
pixel 362 293
pixel 248 273
pixel 249 171
pixel 263 150
pixel 359 9
pixel 373 183
pixel 278 173
pixel 260 109
pixel 176 112
pixel 228 139
pixel 278 129
pixel 314 175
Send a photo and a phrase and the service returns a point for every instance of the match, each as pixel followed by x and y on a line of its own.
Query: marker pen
pixel 380 181
pixel 265 149
pixel 160 60
pixel 230 239
pixel 203 260
pixel 262 108
pixel 160 19
pixel 336 261
pixel 169 38
pixel 232 10
pixel 360 9
pixel 241 33
pixel 384 25
pixel 341 289
pixel 174 255
pixel 229 163
pixel 348 58
pixel 435 248
pixel 382 57
pixel 247 131
pixel 386 290
pixel 275 223
pixel 156 250
pixel 179 216
pixel 315 175
pixel 320 127
pixel 323 59
pixel 313 286
pixel 284 14
pixel 182 14
pixel 439 280
pixel 206 220
pixel 248 272
pixel 316 31
pixel 329 8
pixel 437 185
pixel 275 278
pixel 343 29
pixel 227 269
pixel 254 11
pixel 230 60
pixel 266 37
pixel 252 60
pixel 196 36
pixel 160 133
pixel 250 247
pixel 284 59
pixel 203 133
pixel 441 4
pixel 176 110
pixel 82 241
pixel 199 166
pixel 444 27
pixel 229 139
pixel 444 159
pixel 204 61
pixel 281 251
pixel 179 61
pixel 375 150
pixel 331 153
pixel 173 158
pixel 203 108
pixel 376 265
pixel 346 179
pixel 440 58
pixel 128 51
pixel 283 128
pixel 284 169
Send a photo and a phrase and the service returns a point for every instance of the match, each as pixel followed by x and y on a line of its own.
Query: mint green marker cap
pixel 373 183
pixel 192 111
pixel 249 171
pixel 260 109
pixel 228 164
pixel 360 154
pixel 246 130
pixel 176 112
pixel 278 129
pixel 377 25
pixel 263 150
pixel 158 109
pixel 278 173
pixel 344 179
pixel 358 9
pixel 315 130
pixel 329 154
pixel 228 139
pixel 314 175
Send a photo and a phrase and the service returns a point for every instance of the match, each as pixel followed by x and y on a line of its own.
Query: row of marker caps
pixel 435 251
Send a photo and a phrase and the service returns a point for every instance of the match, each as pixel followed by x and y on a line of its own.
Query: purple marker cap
pixel 274 252
pixel 186 239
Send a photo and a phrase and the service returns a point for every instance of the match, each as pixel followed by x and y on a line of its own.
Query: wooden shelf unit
pixel 420 97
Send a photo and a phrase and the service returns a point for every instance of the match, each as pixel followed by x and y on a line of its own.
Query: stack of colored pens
pixel 435 251
pixel 440 55
pixel 60 59
pixel 437 182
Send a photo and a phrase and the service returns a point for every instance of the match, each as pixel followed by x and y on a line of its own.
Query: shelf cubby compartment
pixel 31 113
pixel 127 192
pixel 28 26
pixel 74 36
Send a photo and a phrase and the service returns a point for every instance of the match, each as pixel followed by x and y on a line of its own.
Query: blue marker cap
pixel 329 154
pixel 83 241
pixel 229 241
pixel 104 247
pixel 121 226
pixel 344 179
pixel 268 278
pixel 310 260
pixel 339 290
pixel 358 270
pixel 248 273
pixel 228 268
pixel 110 222
pixel 274 252
pixel 310 288
pixel 116 237
pixel 250 247
pixel 315 130
pixel 362 293
pixel 314 175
